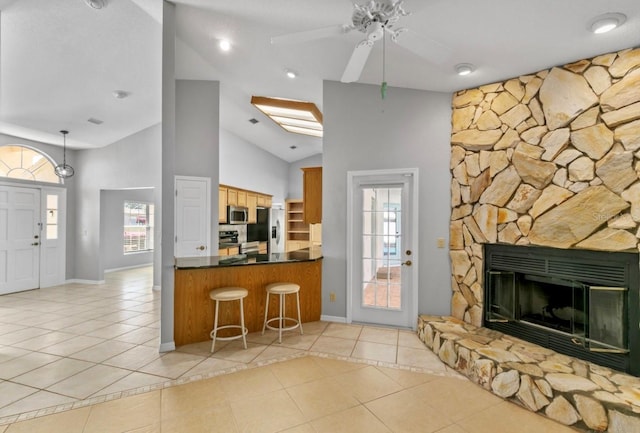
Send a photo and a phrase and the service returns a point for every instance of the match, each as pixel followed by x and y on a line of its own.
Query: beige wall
pixel 550 158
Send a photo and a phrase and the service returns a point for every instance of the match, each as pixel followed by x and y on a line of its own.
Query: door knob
pixel 408 252
pixel 35 244
pixel 408 263
pixel 201 248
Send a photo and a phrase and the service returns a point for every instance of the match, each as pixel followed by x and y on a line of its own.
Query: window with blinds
pixel 138 227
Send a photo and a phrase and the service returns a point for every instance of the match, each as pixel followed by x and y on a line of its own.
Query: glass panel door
pixel 607 318
pixel 381 247
pixel 501 304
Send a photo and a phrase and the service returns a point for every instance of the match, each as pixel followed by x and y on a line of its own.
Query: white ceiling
pixel 60 60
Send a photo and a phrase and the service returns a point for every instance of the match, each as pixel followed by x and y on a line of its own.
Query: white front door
pixel 53 237
pixel 19 239
pixel 382 247
pixel 193 217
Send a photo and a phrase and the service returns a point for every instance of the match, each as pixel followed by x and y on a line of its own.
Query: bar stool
pixel 225 294
pixel 282 289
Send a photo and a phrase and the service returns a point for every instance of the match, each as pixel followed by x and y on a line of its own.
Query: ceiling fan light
pixel 224 45
pixel 606 22
pixel 465 68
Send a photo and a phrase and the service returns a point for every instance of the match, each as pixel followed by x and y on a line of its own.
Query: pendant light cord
pixel 383 86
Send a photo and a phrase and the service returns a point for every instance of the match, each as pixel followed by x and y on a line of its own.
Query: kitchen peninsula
pixel 196 276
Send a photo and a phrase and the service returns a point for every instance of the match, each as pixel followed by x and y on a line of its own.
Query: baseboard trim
pixel 125 268
pixel 80 281
pixel 337 319
pixel 167 347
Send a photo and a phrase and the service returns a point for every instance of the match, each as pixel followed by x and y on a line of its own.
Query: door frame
pixel 352 178
pixel 43 188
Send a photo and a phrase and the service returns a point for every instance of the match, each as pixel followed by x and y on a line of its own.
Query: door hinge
pixel 176 193
pixel 176 239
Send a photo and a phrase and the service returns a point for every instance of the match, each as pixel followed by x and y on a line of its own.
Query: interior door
pixel 193 217
pixel 19 239
pixel 382 250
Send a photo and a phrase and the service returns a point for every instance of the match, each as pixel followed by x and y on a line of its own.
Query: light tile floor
pixel 78 358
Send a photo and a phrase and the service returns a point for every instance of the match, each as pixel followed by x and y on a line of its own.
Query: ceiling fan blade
pixel 427 48
pixel 310 35
pixel 357 61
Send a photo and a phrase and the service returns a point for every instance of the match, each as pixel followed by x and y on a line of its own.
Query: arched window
pixel 26 163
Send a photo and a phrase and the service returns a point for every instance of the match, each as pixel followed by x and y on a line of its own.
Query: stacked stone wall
pixel 552 159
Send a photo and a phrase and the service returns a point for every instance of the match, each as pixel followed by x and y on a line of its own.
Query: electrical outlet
pixel 440 242
pixel 332 297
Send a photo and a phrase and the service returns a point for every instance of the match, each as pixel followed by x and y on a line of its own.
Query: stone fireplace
pixel 547 161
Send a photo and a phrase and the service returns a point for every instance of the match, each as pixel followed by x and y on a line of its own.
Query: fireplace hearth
pixel 581 303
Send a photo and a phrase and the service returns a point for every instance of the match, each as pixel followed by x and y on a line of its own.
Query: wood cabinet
pixel 252 205
pixel 222 205
pixel 230 251
pixel 264 200
pixel 242 198
pixel 232 197
pixel 312 194
pixel 315 234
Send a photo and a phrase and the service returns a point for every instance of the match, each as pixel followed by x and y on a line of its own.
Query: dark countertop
pixel 303 255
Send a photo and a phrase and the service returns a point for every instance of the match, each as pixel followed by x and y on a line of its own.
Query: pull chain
pixel 383 86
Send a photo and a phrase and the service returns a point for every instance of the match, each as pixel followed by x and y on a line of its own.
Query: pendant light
pixel 64 170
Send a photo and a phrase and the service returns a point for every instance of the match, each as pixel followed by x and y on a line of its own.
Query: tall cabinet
pixel 304 217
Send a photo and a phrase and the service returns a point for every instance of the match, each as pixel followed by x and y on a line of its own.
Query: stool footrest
pixel 284 328
pixel 245 331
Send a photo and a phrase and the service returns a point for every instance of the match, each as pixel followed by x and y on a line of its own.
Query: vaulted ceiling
pixel 62 61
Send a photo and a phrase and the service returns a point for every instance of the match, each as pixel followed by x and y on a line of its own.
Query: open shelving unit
pixel 297 229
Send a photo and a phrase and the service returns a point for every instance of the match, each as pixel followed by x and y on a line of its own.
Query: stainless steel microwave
pixel 237 215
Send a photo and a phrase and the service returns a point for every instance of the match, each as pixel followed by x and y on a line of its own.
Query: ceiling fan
pixel 374 19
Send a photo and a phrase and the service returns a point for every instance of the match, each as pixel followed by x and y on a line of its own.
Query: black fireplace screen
pixel 594 316
pixel 582 303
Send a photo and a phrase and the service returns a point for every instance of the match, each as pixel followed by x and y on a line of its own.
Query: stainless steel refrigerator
pixel 277 230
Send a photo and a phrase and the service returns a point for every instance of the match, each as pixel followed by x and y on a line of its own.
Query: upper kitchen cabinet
pixel 252 205
pixel 222 205
pixel 231 196
pixel 312 194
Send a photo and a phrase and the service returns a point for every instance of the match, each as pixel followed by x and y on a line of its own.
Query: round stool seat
pixel 228 293
pixel 283 288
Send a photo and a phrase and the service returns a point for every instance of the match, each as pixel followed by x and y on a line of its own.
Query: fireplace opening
pixel 580 303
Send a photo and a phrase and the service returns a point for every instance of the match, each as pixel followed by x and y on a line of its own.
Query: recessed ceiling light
pixel 291 74
pixel 293 147
pixel 224 45
pixel 465 68
pixel 606 22
pixel 253 120
pixel 121 94
pixel 95 121
pixel 96 4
